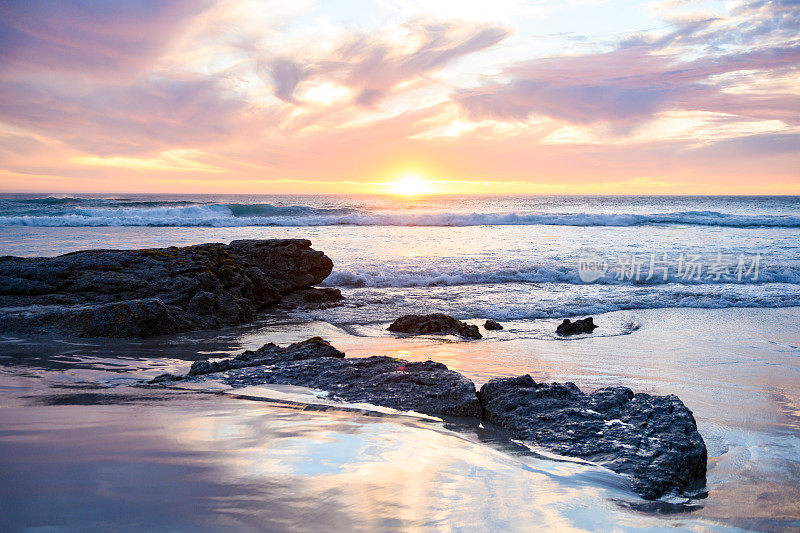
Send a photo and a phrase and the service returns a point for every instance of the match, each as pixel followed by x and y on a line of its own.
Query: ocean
pixel 509 258
pixel 694 296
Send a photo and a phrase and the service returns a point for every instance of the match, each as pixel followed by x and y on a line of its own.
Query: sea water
pixel 696 296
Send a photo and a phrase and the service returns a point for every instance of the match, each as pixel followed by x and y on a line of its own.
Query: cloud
pixel 768 144
pixel 373 67
pixel 285 75
pixel 153 114
pixel 157 93
pixel 89 37
pixel 646 75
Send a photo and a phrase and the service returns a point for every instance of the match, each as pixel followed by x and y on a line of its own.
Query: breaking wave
pixel 119 212
pixel 537 274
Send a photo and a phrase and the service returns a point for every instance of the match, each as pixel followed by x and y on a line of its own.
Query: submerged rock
pixel 568 327
pixel 492 325
pixel 142 293
pixel 435 323
pixel 654 439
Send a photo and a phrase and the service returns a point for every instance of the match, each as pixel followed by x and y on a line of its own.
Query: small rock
pixel 567 327
pixel 163 378
pixel 492 325
pixel 435 323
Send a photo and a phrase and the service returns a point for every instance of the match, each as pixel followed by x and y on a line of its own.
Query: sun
pixel 410 184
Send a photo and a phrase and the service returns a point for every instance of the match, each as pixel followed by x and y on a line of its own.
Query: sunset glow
pixel 255 96
pixel 410 185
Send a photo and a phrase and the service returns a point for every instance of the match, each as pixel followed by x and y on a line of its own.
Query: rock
pixel 567 327
pixel 165 378
pixel 142 293
pixel 312 298
pixel 654 439
pixel 425 387
pixel 436 323
pixel 270 354
pixel 492 325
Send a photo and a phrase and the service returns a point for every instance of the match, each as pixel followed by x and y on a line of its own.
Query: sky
pixel 500 97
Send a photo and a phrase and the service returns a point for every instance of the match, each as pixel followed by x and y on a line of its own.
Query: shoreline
pixel 721 363
pixel 731 417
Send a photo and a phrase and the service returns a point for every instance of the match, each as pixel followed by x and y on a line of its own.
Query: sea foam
pixel 75 212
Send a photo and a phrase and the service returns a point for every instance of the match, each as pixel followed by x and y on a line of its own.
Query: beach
pixel 85 445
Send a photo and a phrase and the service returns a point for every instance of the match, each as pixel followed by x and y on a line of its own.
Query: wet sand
pixel 85 447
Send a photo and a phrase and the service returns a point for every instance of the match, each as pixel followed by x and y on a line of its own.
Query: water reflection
pixel 82 446
pixel 204 462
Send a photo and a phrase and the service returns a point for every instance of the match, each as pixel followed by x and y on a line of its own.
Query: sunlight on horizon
pixel 410 184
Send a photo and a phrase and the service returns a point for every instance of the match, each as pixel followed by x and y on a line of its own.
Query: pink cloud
pixel 90 38
pixel 152 114
pixel 373 67
pixel 646 75
pixel 628 86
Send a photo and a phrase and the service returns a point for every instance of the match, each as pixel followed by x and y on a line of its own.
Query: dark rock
pixel 436 323
pixel 654 439
pixel 142 293
pixel 270 354
pixel 426 387
pixel 567 327
pixel 492 325
pixel 164 378
pixel 312 298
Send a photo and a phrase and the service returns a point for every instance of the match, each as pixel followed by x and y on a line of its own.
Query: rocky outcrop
pixel 492 325
pixel 434 324
pixel 654 439
pixel 425 387
pixel 577 327
pixel 270 354
pixel 142 293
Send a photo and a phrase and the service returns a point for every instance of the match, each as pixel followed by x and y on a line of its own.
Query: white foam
pixel 534 274
pixel 225 215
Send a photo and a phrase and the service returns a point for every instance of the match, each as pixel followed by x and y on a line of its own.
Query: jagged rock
pixel 142 293
pixel 654 439
pixel 492 325
pixel 312 298
pixel 165 378
pixel 435 323
pixel 568 327
pixel 269 354
pixel 425 387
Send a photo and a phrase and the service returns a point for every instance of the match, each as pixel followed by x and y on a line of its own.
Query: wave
pixel 536 274
pixel 642 302
pixel 268 210
pixel 548 302
pixel 119 212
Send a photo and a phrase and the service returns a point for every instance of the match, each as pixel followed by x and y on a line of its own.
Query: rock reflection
pixel 204 462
